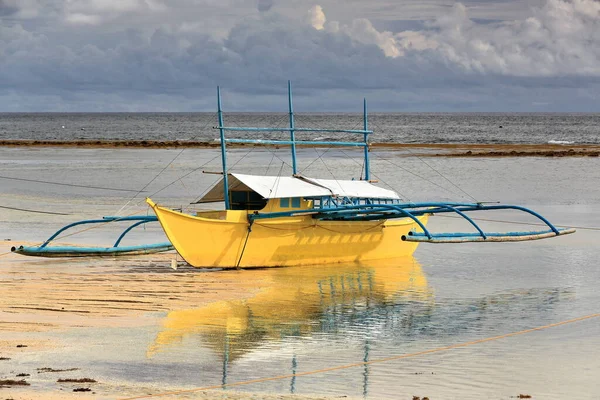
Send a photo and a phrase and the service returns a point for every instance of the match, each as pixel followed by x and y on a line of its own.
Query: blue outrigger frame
pixel 44 250
pixel 368 209
pixel 325 208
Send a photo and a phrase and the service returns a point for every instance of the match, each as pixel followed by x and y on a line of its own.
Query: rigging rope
pixel 325 165
pixel 279 158
pixel 152 180
pixel 316 159
pixel 161 171
pixel 414 174
pixel 435 170
pixel 370 362
pixel 181 177
pixel 270 162
pixel 378 178
pixel 131 199
pixel 33 211
pixel 325 152
pixel 276 185
pixel 277 124
pixel 69 184
pixel 214 182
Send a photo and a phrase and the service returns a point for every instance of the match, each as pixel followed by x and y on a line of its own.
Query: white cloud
pixel 363 31
pixel 83 19
pixel 114 5
pixel 94 12
pixel 108 6
pixel 316 17
pixel 561 38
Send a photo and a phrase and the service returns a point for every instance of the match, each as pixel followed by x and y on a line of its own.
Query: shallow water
pixel 304 319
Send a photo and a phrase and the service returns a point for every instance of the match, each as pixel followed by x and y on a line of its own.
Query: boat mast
pixel 366 128
pixel 223 150
pixel 292 130
pixel 291 142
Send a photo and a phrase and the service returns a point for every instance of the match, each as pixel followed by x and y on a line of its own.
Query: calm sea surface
pixel 303 319
pixel 388 127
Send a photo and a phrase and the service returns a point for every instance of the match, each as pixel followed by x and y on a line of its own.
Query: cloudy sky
pixel 403 55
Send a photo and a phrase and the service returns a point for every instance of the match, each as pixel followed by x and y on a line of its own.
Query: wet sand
pixel 42 297
pixel 43 294
pixel 412 149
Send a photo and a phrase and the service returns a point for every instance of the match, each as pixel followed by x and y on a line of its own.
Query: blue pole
pixel 242 129
pixel 225 361
pixel 223 150
pixel 282 142
pixel 294 367
pixel 292 133
pixel 365 126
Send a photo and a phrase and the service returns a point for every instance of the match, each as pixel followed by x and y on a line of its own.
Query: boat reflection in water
pixel 339 314
pixel 299 302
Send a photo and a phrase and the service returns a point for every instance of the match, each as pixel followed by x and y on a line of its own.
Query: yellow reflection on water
pixel 293 301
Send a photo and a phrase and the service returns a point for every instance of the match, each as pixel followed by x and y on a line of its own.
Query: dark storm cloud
pixel 7 8
pixel 549 59
pixel 265 5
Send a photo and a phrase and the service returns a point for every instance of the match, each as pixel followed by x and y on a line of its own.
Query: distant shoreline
pixel 412 149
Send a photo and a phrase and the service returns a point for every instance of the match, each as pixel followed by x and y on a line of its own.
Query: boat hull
pixel 299 240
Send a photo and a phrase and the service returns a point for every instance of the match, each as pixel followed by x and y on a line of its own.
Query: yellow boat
pixel 283 221
pixel 237 238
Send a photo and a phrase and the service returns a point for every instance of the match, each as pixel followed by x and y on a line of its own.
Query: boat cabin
pixel 255 193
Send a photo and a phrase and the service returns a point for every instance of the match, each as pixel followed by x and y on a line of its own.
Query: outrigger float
pixel 44 250
pixel 283 221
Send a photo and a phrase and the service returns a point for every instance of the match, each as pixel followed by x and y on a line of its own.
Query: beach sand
pixel 49 296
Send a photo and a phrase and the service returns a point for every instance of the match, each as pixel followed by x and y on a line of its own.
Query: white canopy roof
pixel 347 188
pixel 274 187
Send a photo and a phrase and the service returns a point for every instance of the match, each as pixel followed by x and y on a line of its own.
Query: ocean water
pixel 306 319
pixel 388 127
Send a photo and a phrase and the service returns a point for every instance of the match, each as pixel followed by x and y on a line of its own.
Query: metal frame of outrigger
pixel 325 208
pixel 44 250
pixel 366 209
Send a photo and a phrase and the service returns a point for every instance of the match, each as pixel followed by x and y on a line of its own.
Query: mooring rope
pixel 244 248
pixel 374 361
